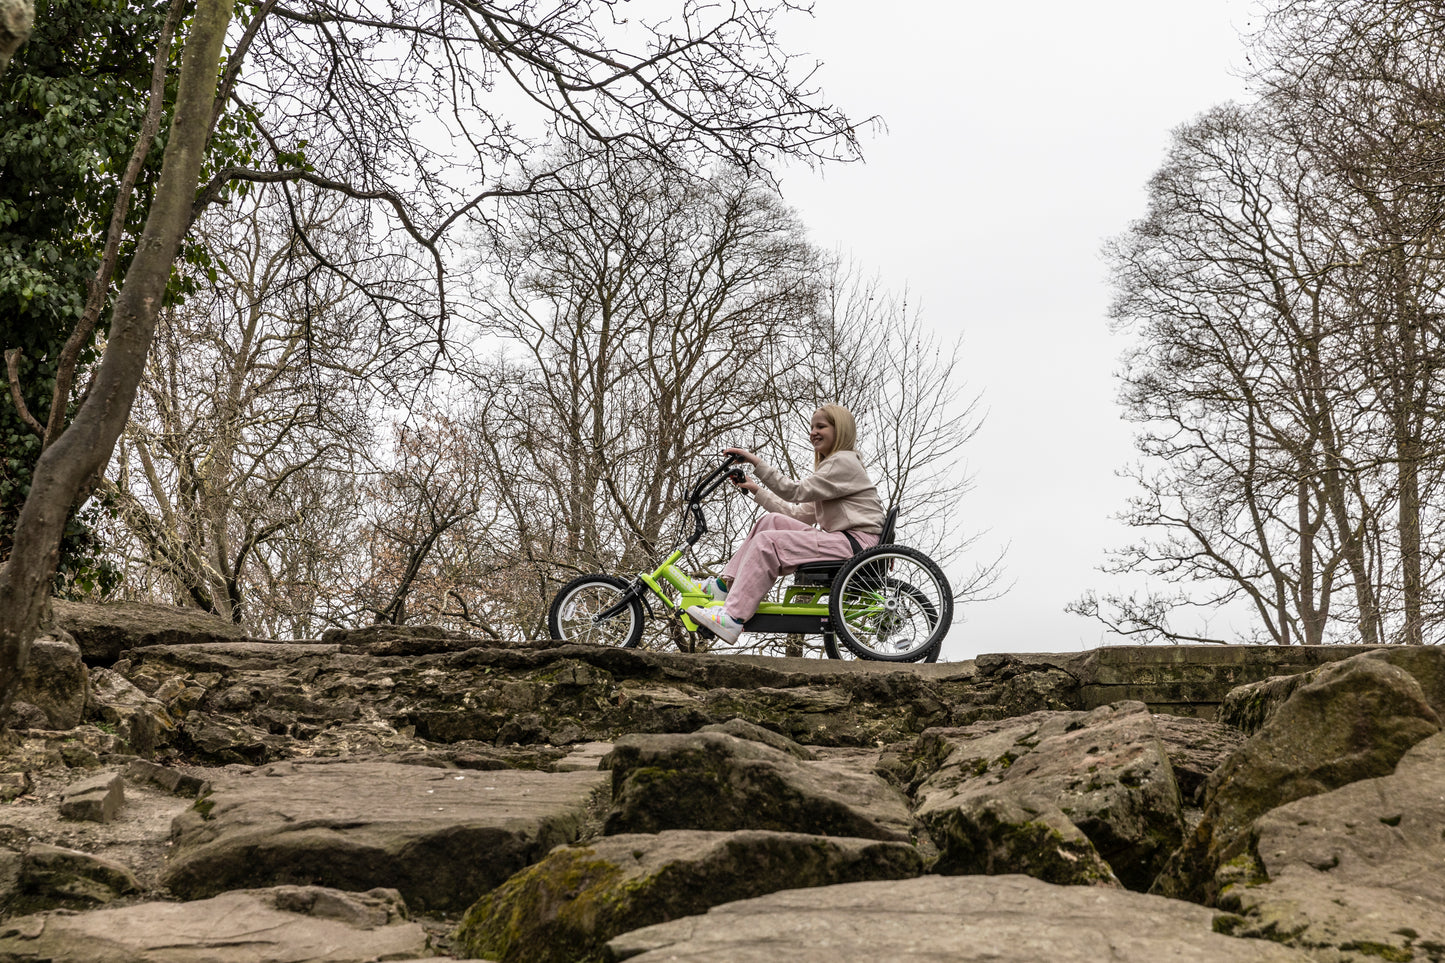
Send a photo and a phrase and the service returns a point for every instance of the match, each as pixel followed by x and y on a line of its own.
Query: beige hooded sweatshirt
pixel 838 496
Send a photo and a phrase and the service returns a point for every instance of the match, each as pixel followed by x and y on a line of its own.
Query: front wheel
pixel 599 610
pixel 891 603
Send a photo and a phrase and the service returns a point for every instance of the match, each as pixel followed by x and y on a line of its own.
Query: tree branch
pixel 100 284
pixel 12 368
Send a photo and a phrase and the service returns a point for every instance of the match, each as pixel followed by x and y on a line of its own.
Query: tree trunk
pixel 1312 614
pixel 16 18
pixel 79 455
pixel 1409 527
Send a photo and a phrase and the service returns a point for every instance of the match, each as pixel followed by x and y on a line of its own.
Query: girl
pixel 838 498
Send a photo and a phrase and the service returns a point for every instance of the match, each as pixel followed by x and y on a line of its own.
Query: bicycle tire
pixel 833 650
pixel 891 603
pixel 593 594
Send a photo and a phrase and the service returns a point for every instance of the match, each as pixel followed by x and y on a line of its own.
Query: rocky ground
pixel 175 792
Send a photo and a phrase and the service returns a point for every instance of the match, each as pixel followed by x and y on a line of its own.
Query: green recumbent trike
pixel 888 602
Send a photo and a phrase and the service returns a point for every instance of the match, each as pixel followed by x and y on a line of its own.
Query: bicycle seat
pixel 817 573
pixel 821 573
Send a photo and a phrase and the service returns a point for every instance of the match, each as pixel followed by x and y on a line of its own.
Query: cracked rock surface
pixel 400 793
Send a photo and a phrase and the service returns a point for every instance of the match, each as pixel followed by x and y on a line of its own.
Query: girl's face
pixel 821 433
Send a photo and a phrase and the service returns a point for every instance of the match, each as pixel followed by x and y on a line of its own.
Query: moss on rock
pixel 549 911
pixel 566 907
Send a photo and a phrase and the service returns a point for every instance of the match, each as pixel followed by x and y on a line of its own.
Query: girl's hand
pixel 745 455
pixel 748 486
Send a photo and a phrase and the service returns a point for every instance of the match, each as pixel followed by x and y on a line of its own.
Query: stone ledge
pixel 1192 680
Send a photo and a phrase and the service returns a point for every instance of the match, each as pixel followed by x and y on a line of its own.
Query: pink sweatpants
pixel 776 546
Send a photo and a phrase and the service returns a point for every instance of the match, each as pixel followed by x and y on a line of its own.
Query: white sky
pixel 1020 137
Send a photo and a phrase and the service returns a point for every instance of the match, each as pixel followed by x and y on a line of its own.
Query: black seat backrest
pixel 885 537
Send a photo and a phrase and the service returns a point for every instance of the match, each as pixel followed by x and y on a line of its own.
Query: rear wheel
pixel 577 612
pixel 835 651
pixel 891 603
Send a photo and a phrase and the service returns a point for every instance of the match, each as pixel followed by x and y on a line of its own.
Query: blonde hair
pixel 845 431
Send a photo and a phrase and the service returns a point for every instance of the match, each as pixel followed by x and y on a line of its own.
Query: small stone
pixel 58 875
pixel 141 720
pixel 169 689
pixel 582 757
pixel 565 736
pixel 26 928
pixel 55 680
pixel 187 699
pixel 743 729
pixel 14 785
pixel 78 755
pixel 23 715
pixel 163 777
pixel 97 799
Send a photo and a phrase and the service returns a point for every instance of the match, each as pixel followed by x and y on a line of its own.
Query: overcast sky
pixel 1019 138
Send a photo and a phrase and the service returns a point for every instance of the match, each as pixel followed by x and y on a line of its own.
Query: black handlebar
pixel 716 477
pixel 706 487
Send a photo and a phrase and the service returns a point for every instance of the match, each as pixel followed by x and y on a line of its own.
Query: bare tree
pixel 426 520
pixel 259 380
pixel 648 310
pixel 1286 292
pixel 651 321
pixel 874 352
pixel 1358 87
pixel 1240 383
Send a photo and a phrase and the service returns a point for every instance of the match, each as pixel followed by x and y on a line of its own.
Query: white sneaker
pixel 715 620
pixel 713 587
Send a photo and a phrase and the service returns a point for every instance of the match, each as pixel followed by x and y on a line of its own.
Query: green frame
pixel 811 610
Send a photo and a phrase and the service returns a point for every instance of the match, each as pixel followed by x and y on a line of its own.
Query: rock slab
pixel 956 918
pixel 717 781
pixel 564 908
pixel 104 631
pixel 53 875
pixel 442 837
pixel 1357 874
pixel 1349 721
pixel 287 924
pixel 1074 798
